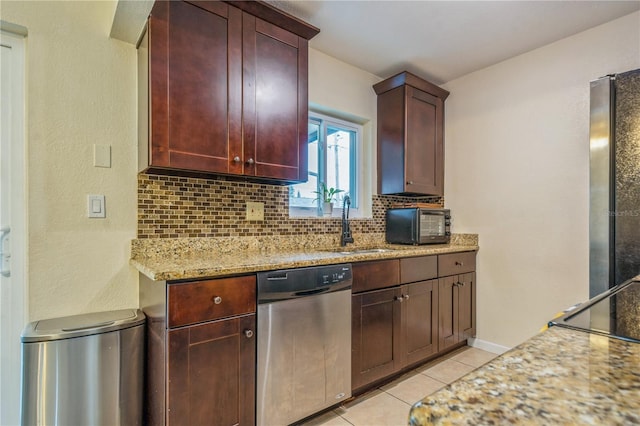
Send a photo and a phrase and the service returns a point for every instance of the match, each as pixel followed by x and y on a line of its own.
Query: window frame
pixel 355 168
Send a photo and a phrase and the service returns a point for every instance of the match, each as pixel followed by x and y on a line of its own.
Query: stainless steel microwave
pixel 415 225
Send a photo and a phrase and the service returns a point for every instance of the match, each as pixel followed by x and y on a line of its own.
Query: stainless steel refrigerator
pixel 614 217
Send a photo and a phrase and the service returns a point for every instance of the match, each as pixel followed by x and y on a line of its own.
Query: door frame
pixel 14 37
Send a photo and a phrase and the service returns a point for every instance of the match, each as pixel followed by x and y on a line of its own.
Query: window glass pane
pixel 314 137
pixel 339 161
pixel 332 159
pixel 302 195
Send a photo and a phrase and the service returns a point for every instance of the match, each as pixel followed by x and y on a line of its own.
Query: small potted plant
pixel 326 197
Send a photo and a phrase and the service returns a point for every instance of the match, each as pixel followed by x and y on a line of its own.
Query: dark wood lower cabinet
pixel 420 321
pixel 212 373
pixel 398 323
pixel 201 351
pixel 392 329
pixel 375 338
pixel 467 306
pixel 457 309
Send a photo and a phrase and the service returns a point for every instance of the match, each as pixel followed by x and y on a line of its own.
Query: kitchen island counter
pixel 193 258
pixel 559 376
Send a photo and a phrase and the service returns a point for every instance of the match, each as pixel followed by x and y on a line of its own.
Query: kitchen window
pixel 335 148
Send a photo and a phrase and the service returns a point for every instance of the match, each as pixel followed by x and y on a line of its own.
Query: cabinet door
pixel 275 106
pixel 420 321
pixel 424 157
pixel 195 71
pixel 447 312
pixel 211 373
pixel 375 336
pixel 466 306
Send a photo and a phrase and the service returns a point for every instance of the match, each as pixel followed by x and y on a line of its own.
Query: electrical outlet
pixel 102 156
pixel 255 211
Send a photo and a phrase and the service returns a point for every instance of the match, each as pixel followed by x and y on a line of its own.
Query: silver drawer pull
pixel 406 296
pixel 236 159
pixel 248 334
pixel 217 300
pixel 459 263
pixel 399 298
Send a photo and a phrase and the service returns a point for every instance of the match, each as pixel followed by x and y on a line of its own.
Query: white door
pixel 12 224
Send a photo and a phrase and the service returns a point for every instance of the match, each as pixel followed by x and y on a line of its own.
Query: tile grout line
pixel 437 380
pixel 402 400
pixel 352 424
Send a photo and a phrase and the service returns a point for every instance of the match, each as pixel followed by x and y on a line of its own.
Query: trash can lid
pixel 81 325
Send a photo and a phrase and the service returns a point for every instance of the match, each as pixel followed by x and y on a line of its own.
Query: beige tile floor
pixel 389 405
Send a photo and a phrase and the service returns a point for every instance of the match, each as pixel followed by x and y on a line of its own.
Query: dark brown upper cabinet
pixel 410 136
pixel 227 90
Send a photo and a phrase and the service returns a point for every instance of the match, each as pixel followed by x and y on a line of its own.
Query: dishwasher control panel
pixel 301 282
pixel 335 275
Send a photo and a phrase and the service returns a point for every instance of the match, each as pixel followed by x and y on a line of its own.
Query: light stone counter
pixel 559 377
pixel 166 259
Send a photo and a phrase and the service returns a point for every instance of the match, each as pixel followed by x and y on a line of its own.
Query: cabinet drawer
pixel 375 275
pixel 199 301
pixel 456 263
pixel 421 268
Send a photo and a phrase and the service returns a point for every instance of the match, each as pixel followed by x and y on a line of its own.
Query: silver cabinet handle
pixel 236 159
pixel 217 300
pixel 456 284
pixel 406 296
pixel 459 263
pixel 462 283
pixel 250 161
pixel 399 298
pixel 410 182
pixel 248 334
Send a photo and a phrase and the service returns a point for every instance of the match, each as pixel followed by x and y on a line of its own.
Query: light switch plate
pixel 255 211
pixel 102 156
pixel 95 206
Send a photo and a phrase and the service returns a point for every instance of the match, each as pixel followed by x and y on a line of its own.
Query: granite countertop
pixel 558 377
pixel 188 258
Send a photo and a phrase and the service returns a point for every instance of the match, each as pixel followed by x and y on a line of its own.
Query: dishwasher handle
pixel 303 293
pixel 295 293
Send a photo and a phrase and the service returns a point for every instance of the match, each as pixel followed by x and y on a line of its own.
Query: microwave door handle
pixel 415 228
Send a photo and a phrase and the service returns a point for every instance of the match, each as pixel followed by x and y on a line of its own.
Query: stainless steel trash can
pixel 84 369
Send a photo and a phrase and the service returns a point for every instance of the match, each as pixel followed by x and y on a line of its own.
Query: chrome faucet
pixel 345 236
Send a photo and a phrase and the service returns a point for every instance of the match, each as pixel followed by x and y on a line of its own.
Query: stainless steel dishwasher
pixel 304 342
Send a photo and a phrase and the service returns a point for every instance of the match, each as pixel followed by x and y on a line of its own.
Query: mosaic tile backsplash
pixel 186 207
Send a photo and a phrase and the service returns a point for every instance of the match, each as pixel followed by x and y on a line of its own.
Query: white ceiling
pixel 443 40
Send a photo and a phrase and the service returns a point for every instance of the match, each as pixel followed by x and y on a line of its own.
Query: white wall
pixel 81 91
pixel 336 85
pixel 344 91
pixel 517 173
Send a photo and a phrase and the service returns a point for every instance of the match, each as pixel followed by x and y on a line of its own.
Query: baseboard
pixel 487 346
